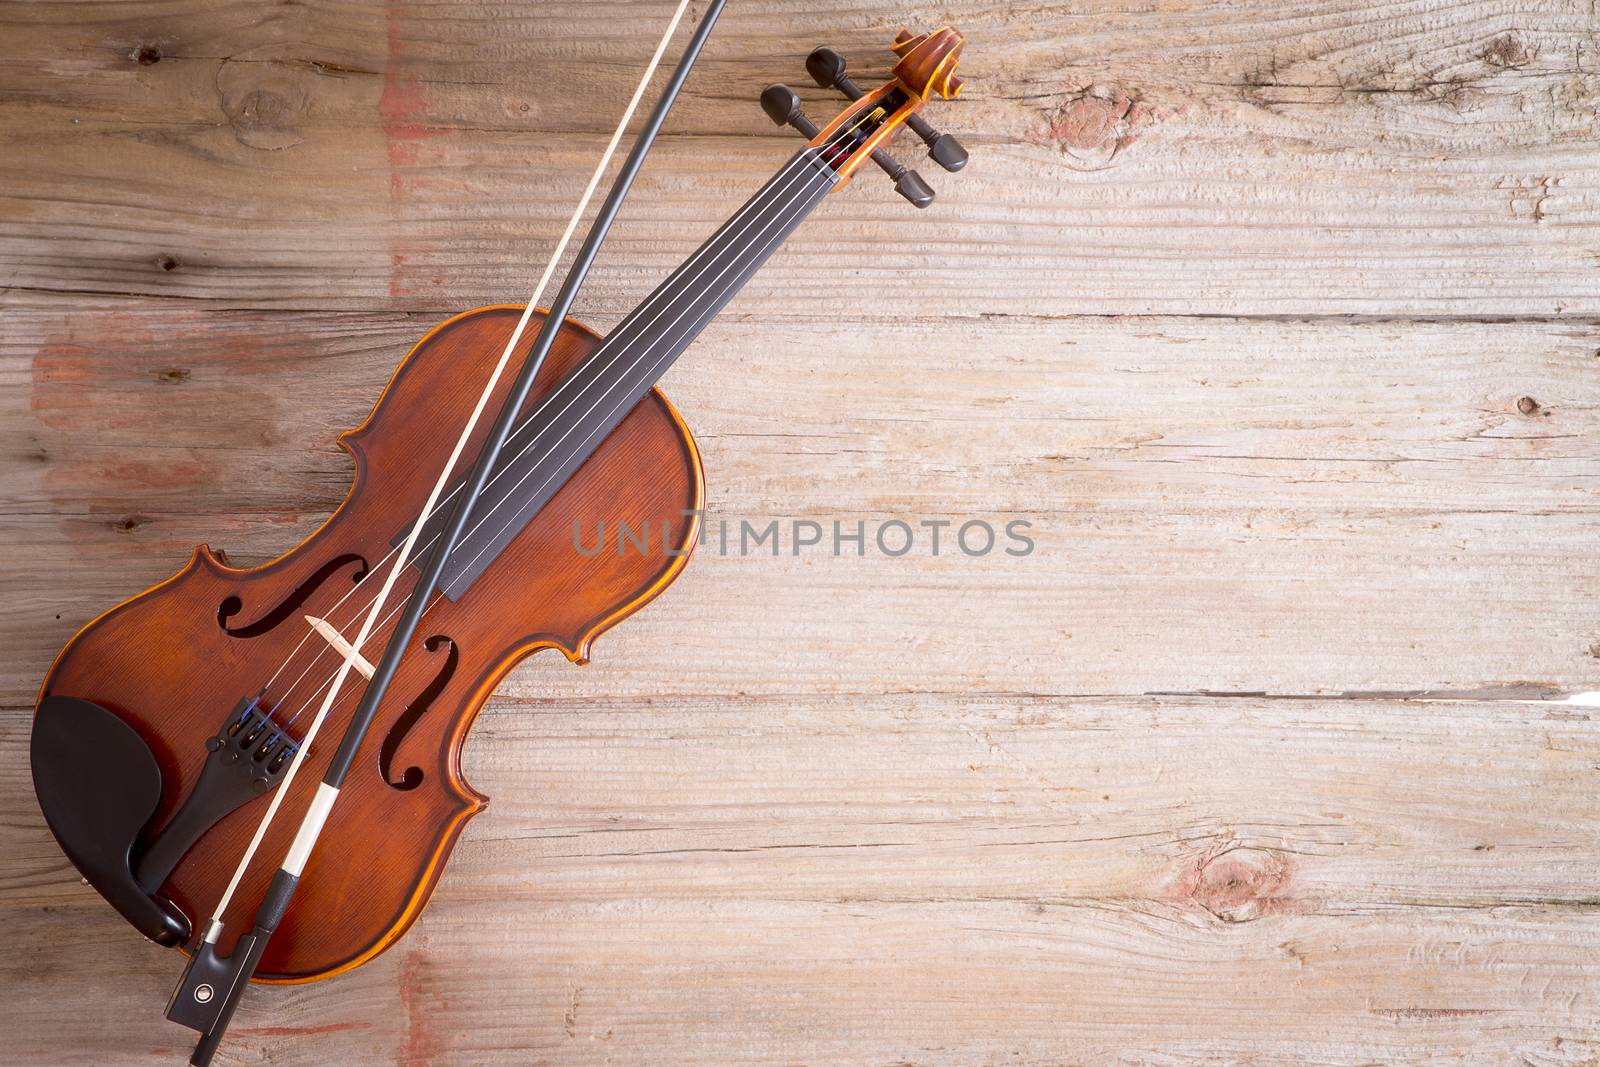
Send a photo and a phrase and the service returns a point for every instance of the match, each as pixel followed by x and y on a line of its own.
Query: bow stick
pixel 209 991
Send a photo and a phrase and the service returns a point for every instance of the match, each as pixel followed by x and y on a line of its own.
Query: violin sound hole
pixel 291 604
pixel 414 711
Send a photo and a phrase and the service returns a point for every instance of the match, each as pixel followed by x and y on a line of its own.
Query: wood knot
pixel 166 262
pixel 265 93
pixel 1529 406
pixel 147 55
pixel 1098 123
pixel 1507 53
pixel 173 375
pixel 130 523
pixel 1238 884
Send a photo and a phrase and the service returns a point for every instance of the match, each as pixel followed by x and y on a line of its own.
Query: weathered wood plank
pixel 823 809
pixel 1427 157
pixel 965 880
pixel 1216 504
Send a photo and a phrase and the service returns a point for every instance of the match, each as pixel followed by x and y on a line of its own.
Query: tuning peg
pixel 943 149
pixel 827 69
pixel 908 183
pixel 782 105
pixel 911 186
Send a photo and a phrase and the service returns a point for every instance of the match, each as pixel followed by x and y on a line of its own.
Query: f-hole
pixel 414 711
pixel 291 604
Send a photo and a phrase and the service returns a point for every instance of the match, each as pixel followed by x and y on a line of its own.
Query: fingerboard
pixel 564 429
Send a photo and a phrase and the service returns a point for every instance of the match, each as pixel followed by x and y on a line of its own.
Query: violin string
pixel 295 651
pixel 544 403
pixel 345 697
pixel 642 356
pixel 649 348
pixel 616 381
pixel 799 165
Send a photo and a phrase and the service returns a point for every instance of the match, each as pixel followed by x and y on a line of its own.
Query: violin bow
pixel 212 984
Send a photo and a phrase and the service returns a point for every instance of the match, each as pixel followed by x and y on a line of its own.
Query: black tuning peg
pixel 908 183
pixel 911 186
pixel 782 105
pixel 826 68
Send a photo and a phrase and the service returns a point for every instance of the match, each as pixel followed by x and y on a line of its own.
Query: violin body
pixel 172 661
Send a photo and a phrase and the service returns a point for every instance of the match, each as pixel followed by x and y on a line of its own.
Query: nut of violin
pixel 928 62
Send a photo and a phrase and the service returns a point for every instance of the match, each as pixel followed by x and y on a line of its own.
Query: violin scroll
pixel 928 62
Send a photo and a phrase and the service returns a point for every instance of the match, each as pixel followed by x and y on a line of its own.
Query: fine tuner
pixel 916 52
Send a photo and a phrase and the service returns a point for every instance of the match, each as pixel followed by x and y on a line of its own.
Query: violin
pixel 171 723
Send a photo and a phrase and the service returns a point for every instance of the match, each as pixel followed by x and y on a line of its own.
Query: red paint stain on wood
pixel 158 475
pixel 301 1031
pixel 71 366
pixel 120 371
pixel 402 108
pixel 128 410
pixel 418 1046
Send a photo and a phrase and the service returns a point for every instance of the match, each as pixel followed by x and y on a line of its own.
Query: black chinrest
pixel 99 785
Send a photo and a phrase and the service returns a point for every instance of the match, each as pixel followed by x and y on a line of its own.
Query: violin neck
pixel 596 396
pixel 673 315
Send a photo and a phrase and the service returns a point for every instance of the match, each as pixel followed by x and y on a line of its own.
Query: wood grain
pixel 1279 323
pixel 1217 505
pixel 1428 157
pixel 956 880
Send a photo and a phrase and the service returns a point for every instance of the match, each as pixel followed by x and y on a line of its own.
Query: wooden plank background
pixel 1280 321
